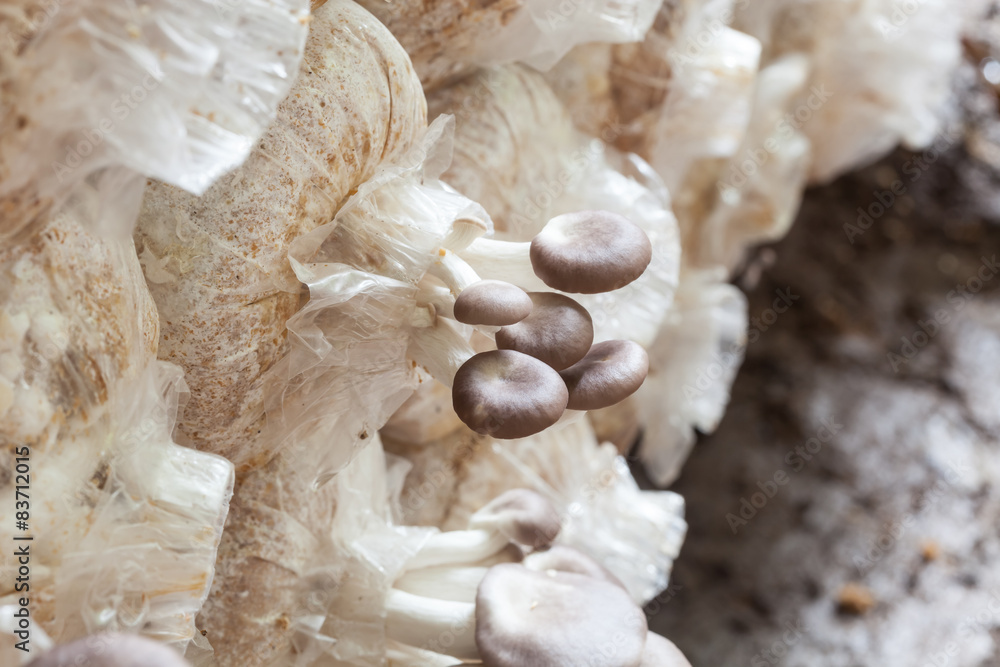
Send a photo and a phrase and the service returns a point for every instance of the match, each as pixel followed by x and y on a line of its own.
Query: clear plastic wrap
pixel 175 89
pixel 218 265
pixel 304 527
pixel 881 72
pixel 346 370
pixel 125 522
pixel 448 39
pixel 516 151
pixel 635 534
pixel 546 30
pixel 762 185
pixel 303 572
pixel 693 363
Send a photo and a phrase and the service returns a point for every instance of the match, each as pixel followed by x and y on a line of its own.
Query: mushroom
pixel 568 559
pixel 111 650
pixel 523 516
pixel 517 516
pixel 434 597
pixel 559 331
pixel 590 252
pixel 402 655
pixel 492 303
pixel 506 394
pixel 661 652
pixel 456 584
pixel 441 626
pixel 610 372
pixel 554 618
pixel 585 252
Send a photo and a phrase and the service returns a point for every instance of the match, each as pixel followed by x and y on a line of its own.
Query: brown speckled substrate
pixel 878 543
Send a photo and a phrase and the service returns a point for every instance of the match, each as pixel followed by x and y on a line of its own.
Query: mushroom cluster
pixel 545 361
pixel 245 202
pixel 501 592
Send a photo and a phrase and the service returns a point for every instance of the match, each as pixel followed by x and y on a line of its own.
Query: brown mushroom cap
pixel 507 394
pixel 559 331
pixel 522 516
pixel 661 652
pixel 556 619
pixel 590 252
pixel 111 650
pixel 610 373
pixel 492 303
pixel 568 559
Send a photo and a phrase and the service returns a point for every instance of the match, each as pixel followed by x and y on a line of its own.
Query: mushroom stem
pixel 463 232
pixel 440 349
pixel 439 297
pixel 457 584
pixel 458 546
pixel 453 271
pixel 404 655
pixel 504 260
pixel 439 626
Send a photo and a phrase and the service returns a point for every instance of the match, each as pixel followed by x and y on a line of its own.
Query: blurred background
pixel 846 511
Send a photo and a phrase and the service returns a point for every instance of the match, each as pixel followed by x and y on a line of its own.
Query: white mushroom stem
pixel 404 655
pixel 441 349
pixel 457 584
pixel 440 297
pixel 439 626
pixel 458 546
pixel 453 271
pixel 504 260
pixel 422 316
pixel 463 232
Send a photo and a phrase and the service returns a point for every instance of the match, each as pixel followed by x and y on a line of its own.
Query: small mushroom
pixel 610 373
pixel 492 303
pixel 559 331
pixel 661 652
pixel 554 619
pixel 523 516
pixel 568 559
pixel 506 394
pixel 111 650
pixel 590 252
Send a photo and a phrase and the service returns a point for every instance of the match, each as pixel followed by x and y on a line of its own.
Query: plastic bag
pixel 447 39
pixel 346 370
pixel 635 534
pixel 218 266
pixel 125 522
pixel 175 89
pixel 303 571
pixel 881 72
pixel 693 363
pixel 516 151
